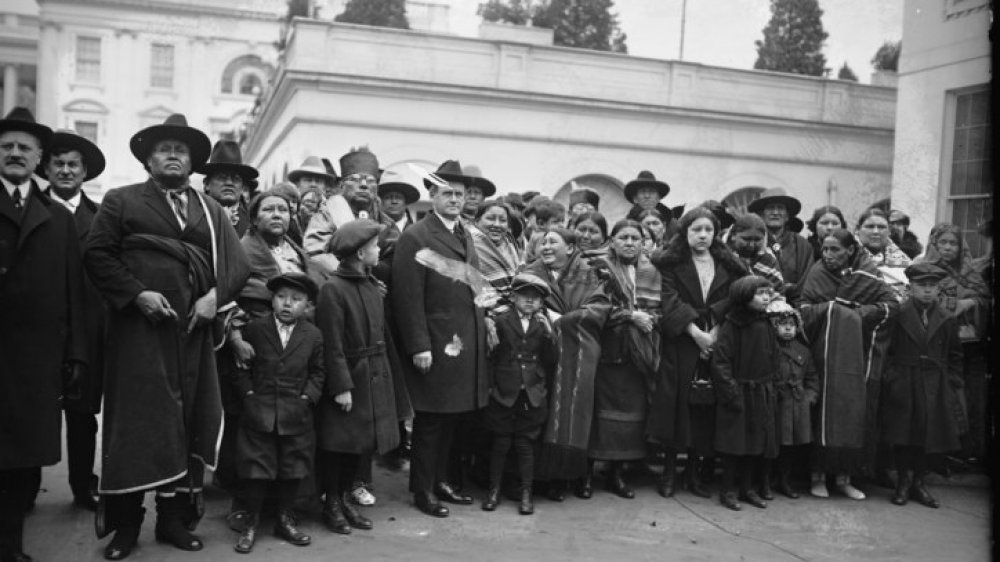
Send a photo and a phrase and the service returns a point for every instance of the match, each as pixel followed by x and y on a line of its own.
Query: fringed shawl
pixel 498 264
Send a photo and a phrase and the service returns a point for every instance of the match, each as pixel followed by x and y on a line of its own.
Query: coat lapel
pixel 688 276
pixel 910 320
pixel 196 212
pixel 84 216
pixel 935 320
pixel 36 213
pixel 445 236
pixel 7 206
pixel 296 339
pixel 271 333
pixel 158 202
pixel 719 280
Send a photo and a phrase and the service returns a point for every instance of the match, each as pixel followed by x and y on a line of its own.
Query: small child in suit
pixel 276 438
pixel 520 368
pixel 797 389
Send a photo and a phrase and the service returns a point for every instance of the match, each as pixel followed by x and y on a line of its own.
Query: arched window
pixel 613 204
pixel 245 75
pixel 740 198
pixel 250 84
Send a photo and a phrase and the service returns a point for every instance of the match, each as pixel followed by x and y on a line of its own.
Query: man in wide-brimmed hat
pixel 69 161
pixel 165 258
pixel 42 330
pixel 794 253
pixel 397 192
pixel 646 193
pixel 227 180
pixel 315 173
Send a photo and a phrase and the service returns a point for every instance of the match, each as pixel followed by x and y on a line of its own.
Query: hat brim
pixel 792 205
pixel 246 172
pixel 632 187
pixel 41 132
pixel 93 158
pixel 484 184
pixel 540 287
pixel 409 193
pixel 295 175
pixel 303 285
pixel 142 143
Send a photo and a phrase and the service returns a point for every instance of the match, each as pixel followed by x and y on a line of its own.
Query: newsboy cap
pixel 299 281
pixel 351 236
pixel 925 272
pixel 525 281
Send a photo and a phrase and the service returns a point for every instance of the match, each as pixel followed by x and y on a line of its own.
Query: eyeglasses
pixel 359 179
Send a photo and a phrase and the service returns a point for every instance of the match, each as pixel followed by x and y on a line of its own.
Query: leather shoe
pixel 785 487
pixel 616 485
pixel 425 502
pixel 904 483
pixel 244 544
pixel 556 491
pixel 920 494
pixel 237 520
pixel 333 515
pixel 527 507
pixel 492 499
pixel 693 484
pixel 122 543
pixel 285 528
pixel 585 488
pixel 666 485
pixel 753 499
pixel 446 493
pixel 765 489
pixel 354 517
pixel 728 499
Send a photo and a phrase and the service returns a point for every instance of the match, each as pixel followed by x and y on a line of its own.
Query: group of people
pixel 283 337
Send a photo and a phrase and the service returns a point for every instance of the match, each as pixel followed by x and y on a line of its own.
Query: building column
pixel 10 86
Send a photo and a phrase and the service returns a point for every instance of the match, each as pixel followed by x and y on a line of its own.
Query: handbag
pixel 702 390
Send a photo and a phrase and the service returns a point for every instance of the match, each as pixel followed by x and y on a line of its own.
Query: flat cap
pixel 351 236
pixel 299 281
pixel 924 271
pixel 523 281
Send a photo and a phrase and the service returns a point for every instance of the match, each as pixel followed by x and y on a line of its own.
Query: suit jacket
pixel 441 317
pixel 280 376
pixel 42 325
pixel 521 360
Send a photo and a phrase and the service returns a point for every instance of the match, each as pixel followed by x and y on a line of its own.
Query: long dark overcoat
pixel 349 314
pixel 670 421
pixel 924 369
pixel 162 403
pixel 797 388
pixel 41 325
pixel 438 314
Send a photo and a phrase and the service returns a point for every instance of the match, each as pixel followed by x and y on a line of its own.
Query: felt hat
pixel 524 281
pixel 451 170
pixel 775 195
pixel 351 236
pixel 21 119
pixel 584 195
pixel 514 200
pixel 896 216
pixel 645 179
pixel 924 271
pixel 313 166
pixel 299 281
pixel 226 156
pixel 473 171
pixel 722 214
pixel 174 128
pixel 527 196
pixel 532 206
pixel 359 161
pixel 395 182
pixel 64 140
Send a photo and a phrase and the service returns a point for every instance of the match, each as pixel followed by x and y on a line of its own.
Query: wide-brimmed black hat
pixel 775 195
pixel 394 182
pixel 645 179
pixel 174 128
pixel 451 170
pixel 226 156
pixel 21 119
pixel 473 171
pixel 314 166
pixel 65 140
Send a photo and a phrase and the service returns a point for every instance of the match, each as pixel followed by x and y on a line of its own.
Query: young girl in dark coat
pixel 743 368
pixel 520 370
pixel 275 440
pixel 796 388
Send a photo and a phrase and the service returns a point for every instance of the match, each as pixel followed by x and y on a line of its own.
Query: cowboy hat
pixel 473 171
pixel 64 140
pixel 645 179
pixel 21 119
pixel 775 195
pixel 226 156
pixel 313 166
pixel 394 182
pixel 175 127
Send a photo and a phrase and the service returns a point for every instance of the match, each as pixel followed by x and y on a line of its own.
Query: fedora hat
pixel 311 165
pixel 175 128
pixel 645 179
pixel 472 171
pixel 63 140
pixel 775 195
pixel 394 182
pixel 21 119
pixel 451 170
pixel 225 156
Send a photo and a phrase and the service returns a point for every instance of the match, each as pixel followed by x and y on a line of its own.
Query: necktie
pixel 18 202
pixel 459 233
pixel 179 206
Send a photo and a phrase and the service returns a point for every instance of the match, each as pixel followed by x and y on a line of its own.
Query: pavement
pixel 603 528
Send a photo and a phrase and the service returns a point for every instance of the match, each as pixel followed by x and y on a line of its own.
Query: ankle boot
pixel 785 485
pixel 585 487
pixel 244 543
pixel 666 484
pixel 819 485
pixel 904 480
pixel 920 494
pixel 127 514
pixel 616 482
pixel 286 527
pixel 692 479
pixel 354 517
pixel 492 499
pixel 527 507
pixel 192 508
pixel 333 515
pixel 170 526
pixel 765 487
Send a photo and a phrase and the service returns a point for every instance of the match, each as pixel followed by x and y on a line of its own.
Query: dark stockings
pixel 525 458
pixel 257 491
pixel 339 471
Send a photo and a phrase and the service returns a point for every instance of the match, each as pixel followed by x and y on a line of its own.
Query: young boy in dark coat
pixel 923 372
pixel 276 439
pixel 520 370
pixel 743 367
pixel 796 388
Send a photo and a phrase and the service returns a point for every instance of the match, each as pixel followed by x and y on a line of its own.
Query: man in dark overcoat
pixel 164 257
pixel 228 181
pixel 444 341
pixel 42 352
pixel 69 161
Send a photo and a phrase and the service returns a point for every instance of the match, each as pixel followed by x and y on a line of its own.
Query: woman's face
pixel 947 246
pixel 874 233
pixel 494 224
pixel 699 235
pixel 588 235
pixel 553 250
pixel 627 243
pixel 827 224
pixel 655 226
pixel 835 255
pixel 272 216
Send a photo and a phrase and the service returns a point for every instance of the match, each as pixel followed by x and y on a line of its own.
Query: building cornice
pixel 170 7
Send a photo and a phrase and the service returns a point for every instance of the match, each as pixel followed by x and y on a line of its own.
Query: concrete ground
pixel 604 528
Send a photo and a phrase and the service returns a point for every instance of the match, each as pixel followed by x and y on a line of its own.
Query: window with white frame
pixel 88 59
pixel 161 66
pixel 970 193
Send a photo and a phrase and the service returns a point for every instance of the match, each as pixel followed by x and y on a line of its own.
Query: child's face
pixel 369 253
pixel 786 329
pixel 528 301
pixel 761 299
pixel 924 292
pixel 289 304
